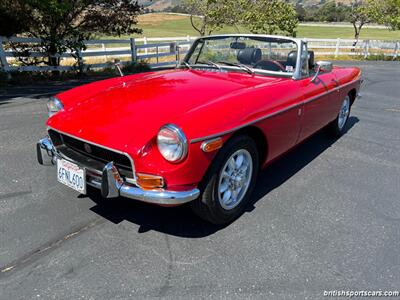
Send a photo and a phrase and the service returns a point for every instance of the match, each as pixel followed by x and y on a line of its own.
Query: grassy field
pixel 164 25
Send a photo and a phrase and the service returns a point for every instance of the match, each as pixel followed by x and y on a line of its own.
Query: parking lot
pixel 324 217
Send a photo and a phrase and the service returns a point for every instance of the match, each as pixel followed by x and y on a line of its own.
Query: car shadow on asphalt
pixel 180 221
pixel 285 167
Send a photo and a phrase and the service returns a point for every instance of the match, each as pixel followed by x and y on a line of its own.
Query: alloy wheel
pixel 234 179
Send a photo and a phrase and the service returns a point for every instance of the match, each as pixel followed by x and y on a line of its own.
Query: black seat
pixel 249 56
pixel 292 57
pixel 270 65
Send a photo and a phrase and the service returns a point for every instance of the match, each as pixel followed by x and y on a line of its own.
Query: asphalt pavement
pixel 324 217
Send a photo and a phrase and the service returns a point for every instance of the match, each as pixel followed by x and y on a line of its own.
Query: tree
pixel 359 16
pixel 386 12
pixel 393 19
pixel 301 12
pixel 208 15
pixel 13 16
pixel 65 24
pixel 270 16
pixel 259 16
pixel 177 9
pixel 311 14
pixel 331 12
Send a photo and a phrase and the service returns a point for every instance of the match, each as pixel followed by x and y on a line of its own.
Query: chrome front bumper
pixel 112 184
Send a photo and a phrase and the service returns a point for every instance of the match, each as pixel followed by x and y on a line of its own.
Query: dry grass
pixel 154 19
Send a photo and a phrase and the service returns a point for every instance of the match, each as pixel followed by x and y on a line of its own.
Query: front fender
pixel 178 176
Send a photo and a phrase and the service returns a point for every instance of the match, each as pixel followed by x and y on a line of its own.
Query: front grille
pixel 97 153
pixel 55 138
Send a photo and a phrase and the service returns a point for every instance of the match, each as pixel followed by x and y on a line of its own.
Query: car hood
pixel 127 112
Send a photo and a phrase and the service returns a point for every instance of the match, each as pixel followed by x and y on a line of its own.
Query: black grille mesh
pixel 98 153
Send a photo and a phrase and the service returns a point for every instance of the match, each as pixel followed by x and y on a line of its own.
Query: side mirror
pixel 324 66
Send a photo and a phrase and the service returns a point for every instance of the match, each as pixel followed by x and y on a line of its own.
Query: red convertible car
pixel 198 133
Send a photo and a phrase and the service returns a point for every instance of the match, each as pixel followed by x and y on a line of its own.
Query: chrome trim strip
pixel 253 35
pixel 94 183
pixel 195 140
pixel 101 146
pixel 163 197
pixel 212 136
pixel 349 83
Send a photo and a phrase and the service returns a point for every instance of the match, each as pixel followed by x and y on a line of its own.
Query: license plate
pixel 71 175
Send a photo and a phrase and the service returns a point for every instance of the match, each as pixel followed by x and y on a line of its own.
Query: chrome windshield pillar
pixel 301 48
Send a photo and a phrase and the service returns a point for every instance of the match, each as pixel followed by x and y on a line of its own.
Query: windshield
pixel 248 53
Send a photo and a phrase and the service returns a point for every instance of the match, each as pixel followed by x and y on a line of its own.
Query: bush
pixel 17 77
pixel 3 78
pixel 27 78
pixel 136 67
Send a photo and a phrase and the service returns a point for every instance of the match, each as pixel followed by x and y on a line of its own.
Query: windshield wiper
pixel 209 62
pixel 185 64
pixel 242 66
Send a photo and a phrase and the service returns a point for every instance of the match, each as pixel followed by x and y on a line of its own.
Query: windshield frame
pixel 299 43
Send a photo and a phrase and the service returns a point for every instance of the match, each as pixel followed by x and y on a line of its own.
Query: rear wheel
pixel 338 126
pixel 227 187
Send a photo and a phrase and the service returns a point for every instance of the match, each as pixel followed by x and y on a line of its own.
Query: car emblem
pixel 87 147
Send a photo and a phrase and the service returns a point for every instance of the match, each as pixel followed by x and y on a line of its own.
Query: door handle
pixel 337 83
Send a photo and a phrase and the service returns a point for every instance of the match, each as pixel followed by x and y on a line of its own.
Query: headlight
pixel 53 106
pixel 172 143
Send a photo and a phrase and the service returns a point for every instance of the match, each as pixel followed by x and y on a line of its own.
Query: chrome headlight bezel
pixel 54 105
pixel 165 142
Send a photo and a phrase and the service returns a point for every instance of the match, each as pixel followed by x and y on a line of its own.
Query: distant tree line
pixel 328 12
pixel 338 12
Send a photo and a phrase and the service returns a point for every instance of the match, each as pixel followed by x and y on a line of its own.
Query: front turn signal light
pixel 149 182
pixel 212 145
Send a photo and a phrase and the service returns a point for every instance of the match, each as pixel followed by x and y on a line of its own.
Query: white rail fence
pixel 363 48
pixel 168 51
pixel 99 53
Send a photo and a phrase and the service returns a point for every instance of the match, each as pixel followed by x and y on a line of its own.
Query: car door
pixel 320 102
pixel 283 124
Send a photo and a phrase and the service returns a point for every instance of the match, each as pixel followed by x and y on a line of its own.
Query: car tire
pixel 338 126
pixel 228 176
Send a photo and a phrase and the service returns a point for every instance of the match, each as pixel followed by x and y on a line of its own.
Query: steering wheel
pixel 269 64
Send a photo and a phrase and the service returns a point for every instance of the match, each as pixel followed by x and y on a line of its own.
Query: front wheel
pixel 338 126
pixel 227 187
